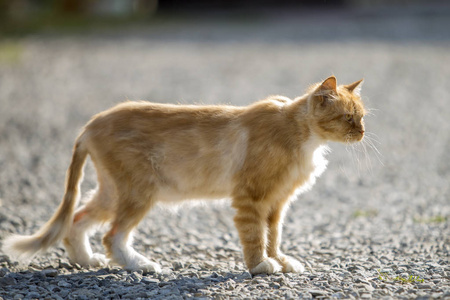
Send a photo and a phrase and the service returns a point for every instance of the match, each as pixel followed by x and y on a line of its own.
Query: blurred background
pixel 63 61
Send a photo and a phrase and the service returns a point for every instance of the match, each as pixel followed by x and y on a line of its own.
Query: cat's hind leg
pixel 97 210
pixel 77 242
pixel 119 238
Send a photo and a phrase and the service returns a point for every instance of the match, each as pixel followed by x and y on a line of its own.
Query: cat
pixel 261 156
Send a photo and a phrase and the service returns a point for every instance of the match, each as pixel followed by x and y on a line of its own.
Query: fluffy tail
pixel 25 247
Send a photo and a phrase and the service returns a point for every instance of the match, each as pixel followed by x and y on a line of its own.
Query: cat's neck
pixel 298 111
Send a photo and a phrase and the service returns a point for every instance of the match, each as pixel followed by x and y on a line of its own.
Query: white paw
pixel 147 267
pixel 140 262
pixel 291 265
pixel 98 260
pixel 267 266
pixel 151 267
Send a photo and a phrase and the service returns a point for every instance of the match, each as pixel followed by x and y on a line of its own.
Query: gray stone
pixel 148 280
pixel 338 295
pixel 244 276
pixel 33 295
pixel 50 272
pixel 5 281
pixel 65 265
pixel 64 284
pixel 424 286
pixel 3 272
pixel 178 265
pixel 317 293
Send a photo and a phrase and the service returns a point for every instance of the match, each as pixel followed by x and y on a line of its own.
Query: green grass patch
pixel 431 220
pixel 369 213
pixel 411 279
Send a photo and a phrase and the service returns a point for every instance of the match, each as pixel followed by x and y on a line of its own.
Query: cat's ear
pixel 355 87
pixel 325 90
pixel 329 84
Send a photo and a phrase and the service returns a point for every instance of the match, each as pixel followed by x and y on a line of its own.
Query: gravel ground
pixel 375 225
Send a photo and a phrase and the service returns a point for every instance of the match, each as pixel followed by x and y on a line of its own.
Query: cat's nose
pixel 362 131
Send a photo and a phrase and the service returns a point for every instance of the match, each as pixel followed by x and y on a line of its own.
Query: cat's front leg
pixel 251 224
pixel 275 225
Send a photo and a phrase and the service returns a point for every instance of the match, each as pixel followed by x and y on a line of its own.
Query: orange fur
pixel 261 156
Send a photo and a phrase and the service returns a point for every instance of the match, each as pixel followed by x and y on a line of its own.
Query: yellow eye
pixel 349 117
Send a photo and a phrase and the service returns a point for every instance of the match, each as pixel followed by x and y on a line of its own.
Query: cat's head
pixel 337 112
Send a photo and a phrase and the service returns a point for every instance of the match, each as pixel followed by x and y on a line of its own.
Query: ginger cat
pixel 261 156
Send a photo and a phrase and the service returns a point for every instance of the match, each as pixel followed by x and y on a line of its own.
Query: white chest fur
pixel 311 165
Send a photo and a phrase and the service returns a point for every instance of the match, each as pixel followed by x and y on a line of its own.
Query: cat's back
pixel 147 117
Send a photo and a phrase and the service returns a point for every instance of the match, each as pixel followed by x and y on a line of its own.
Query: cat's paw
pixel 267 266
pixel 152 267
pixel 291 265
pixel 143 264
pixel 148 267
pixel 95 260
pixel 98 260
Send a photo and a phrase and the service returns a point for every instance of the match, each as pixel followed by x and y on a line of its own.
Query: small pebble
pixel 50 272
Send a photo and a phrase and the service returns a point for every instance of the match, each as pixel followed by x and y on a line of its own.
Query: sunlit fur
pixel 261 156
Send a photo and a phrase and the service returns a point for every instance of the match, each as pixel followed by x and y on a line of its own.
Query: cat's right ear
pixel 355 87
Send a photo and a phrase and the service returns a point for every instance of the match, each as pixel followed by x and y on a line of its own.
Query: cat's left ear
pixel 355 87
pixel 325 89
pixel 329 84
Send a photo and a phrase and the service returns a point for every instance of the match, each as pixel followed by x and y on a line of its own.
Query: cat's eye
pixel 349 117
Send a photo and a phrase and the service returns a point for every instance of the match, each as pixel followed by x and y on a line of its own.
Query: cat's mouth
pixel 354 137
pixel 360 135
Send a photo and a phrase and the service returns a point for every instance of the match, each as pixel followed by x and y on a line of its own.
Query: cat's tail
pixel 25 247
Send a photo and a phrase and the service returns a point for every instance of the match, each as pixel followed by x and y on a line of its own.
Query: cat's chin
pixel 358 139
pixel 354 137
pixel 352 140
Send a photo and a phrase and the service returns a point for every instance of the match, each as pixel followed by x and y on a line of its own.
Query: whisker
pixel 369 165
pixel 370 141
pixel 355 153
pixel 362 152
pixel 349 149
pixel 370 111
pixel 344 170
pixel 373 137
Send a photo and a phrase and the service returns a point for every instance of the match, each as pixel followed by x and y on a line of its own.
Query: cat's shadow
pixel 112 283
